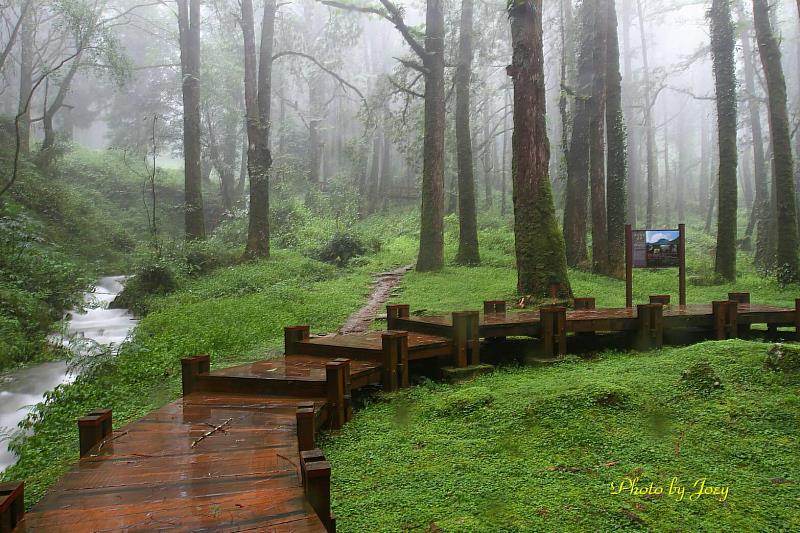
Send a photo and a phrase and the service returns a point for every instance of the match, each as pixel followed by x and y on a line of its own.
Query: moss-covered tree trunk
pixel 576 200
pixel 761 208
pixel 538 242
pixel 783 180
pixel 616 196
pixel 597 145
pixel 431 235
pixel 632 148
pixel 722 42
pixel 467 215
pixel 189 29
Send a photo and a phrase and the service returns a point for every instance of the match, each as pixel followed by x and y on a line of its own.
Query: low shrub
pixel 341 249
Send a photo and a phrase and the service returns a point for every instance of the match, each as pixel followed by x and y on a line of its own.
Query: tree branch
pixel 391 13
pixel 342 81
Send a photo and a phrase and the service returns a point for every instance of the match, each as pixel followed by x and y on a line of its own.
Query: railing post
pixel 650 328
pixel 584 303
pixel 293 335
pixel 662 299
pixel 797 319
pixel 12 505
pixel 315 473
pixel 741 298
pixel 494 306
pixel 395 311
pixel 466 339
pixel 394 355
pixel 336 385
pixel 306 430
pixel 347 387
pixel 93 428
pixel 554 330
pixel 191 367
pixel 725 316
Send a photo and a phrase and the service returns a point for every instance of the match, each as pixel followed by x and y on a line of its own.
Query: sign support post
pixel 682 265
pixel 628 265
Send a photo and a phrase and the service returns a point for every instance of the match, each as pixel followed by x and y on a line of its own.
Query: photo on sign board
pixel 662 248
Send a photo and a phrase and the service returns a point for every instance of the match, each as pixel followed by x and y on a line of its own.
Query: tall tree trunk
pixel 258 92
pixel 616 200
pixel 705 164
pixel 597 148
pixel 722 46
pixel 632 167
pixel 467 215
pixel 575 203
pixel 503 202
pixel 486 159
pixel 650 134
pixel 783 183
pixel 665 185
pixel 680 175
pixel 189 27
pixel 26 52
pixel 314 136
pixel 722 43
pixel 567 74
pixel 431 238
pixel 538 243
pixel 374 173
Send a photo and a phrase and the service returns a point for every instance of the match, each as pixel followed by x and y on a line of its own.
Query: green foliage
pixel 59 230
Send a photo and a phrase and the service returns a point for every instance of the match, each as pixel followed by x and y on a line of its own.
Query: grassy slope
pixel 537 449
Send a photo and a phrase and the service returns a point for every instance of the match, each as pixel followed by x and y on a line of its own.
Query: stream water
pixel 22 389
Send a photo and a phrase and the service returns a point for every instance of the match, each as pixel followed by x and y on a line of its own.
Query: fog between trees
pixel 575 118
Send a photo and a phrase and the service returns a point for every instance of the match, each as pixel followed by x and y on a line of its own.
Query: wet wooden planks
pixel 159 473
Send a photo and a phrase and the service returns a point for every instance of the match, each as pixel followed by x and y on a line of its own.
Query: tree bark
pixel 26 52
pixel 431 238
pixel 632 167
pixel 467 214
pixel 539 246
pixel 575 203
pixel 722 46
pixel 258 91
pixel 783 182
pixel 189 28
pixel 597 148
pixel 616 200
pixel 650 135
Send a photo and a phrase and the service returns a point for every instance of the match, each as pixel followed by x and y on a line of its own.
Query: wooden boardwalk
pixel 159 473
pixel 237 451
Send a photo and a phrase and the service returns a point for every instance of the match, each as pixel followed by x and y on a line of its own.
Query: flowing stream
pixel 22 389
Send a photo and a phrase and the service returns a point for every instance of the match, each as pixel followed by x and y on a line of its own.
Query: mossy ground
pixel 538 449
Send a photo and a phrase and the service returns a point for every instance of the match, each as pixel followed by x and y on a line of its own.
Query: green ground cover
pixel 537 449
